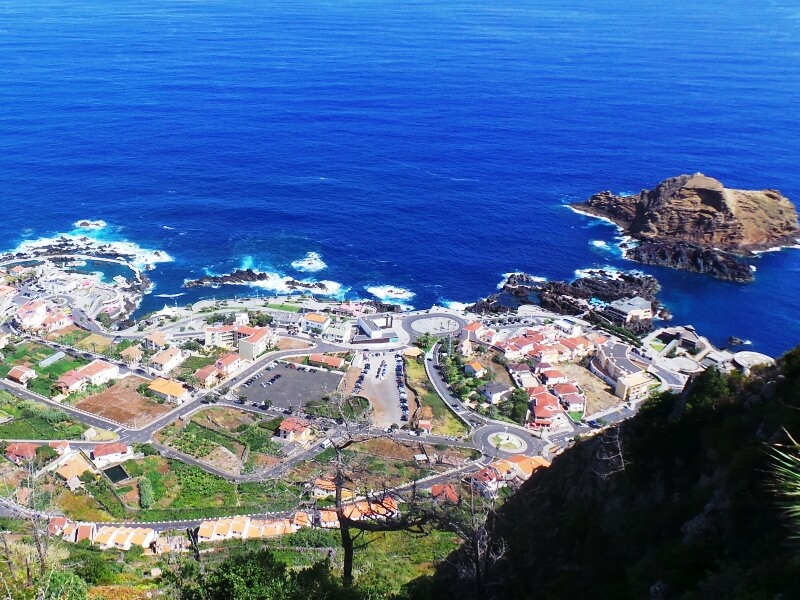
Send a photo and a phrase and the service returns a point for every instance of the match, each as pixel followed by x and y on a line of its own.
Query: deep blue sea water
pixel 423 145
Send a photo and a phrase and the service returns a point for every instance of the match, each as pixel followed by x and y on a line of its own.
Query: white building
pixel 166 360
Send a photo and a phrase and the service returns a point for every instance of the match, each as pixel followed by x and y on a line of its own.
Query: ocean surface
pixel 415 151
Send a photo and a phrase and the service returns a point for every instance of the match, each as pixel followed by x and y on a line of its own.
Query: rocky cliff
pixel 678 502
pixel 702 212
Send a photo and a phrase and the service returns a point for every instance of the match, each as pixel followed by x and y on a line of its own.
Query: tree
pixel 63 585
pixel 44 454
pixel 146 495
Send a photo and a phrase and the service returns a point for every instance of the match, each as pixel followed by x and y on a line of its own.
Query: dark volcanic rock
pixel 692 257
pixel 570 298
pixel 245 276
pixel 696 223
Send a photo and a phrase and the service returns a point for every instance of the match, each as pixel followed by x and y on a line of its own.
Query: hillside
pixel 691 513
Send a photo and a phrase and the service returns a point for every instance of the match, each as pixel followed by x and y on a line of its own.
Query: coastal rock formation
pixel 691 257
pixel 574 297
pixel 245 276
pixel 695 220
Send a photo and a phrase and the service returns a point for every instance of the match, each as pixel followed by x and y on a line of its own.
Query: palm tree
pixel 787 476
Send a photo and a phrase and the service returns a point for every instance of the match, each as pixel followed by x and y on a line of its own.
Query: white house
pixel 169 390
pixel 106 454
pixel 157 340
pixel 475 368
pixel 229 363
pixel 314 322
pixel 294 430
pixel 494 391
pixel 487 481
pixel 99 372
pixel 21 375
pixel 167 360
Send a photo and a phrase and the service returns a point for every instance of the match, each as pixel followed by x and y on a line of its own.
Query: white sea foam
pixel 600 244
pixel 169 295
pixel 389 293
pixel 281 284
pixel 310 264
pixel 90 246
pixel 606 271
pixel 166 227
pixel 455 305
pixel 778 248
pixel 534 278
pixel 90 224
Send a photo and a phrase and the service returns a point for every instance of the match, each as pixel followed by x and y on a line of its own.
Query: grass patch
pixel 445 422
pixel 73 337
pixel 35 421
pixel 95 342
pixel 284 307
pixel 353 407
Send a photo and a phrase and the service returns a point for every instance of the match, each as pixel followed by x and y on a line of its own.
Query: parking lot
pixel 294 387
pixel 382 392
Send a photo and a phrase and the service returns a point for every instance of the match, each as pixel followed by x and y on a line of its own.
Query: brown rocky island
pixel 695 223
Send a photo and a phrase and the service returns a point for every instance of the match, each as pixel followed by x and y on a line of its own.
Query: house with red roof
pixel 325 360
pixel 106 454
pixel 21 375
pixel 71 381
pixel 209 375
pixel 545 410
pixel 552 377
pixel 445 494
pixel 229 363
pixel 294 429
pixel 487 481
pixel 20 452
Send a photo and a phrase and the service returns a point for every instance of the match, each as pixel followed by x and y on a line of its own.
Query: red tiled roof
pixel 445 493
pixel 24 450
pixel 293 424
pixel 107 449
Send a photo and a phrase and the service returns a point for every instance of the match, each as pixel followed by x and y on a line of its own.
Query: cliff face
pixel 699 209
pixel 693 222
pixel 678 502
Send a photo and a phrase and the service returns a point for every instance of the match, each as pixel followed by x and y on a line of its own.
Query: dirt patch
pixel 292 344
pixel 485 356
pixel 131 498
pixel 95 342
pixel 53 335
pixel 599 395
pixel 224 459
pixel 387 448
pixel 223 418
pixel 124 404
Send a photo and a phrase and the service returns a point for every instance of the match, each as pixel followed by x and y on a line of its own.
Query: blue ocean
pixel 413 150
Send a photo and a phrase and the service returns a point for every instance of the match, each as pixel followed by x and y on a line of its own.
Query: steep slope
pixel 693 222
pixel 677 503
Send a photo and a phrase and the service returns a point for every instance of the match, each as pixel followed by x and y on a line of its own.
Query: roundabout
pixel 435 325
pixel 507 442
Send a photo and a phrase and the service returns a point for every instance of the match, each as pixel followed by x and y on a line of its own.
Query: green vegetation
pixel 351 408
pixel 682 498
pixel 258 437
pixel 446 423
pixel 198 446
pixel 146 493
pixel 73 337
pixel 285 307
pixel 35 421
